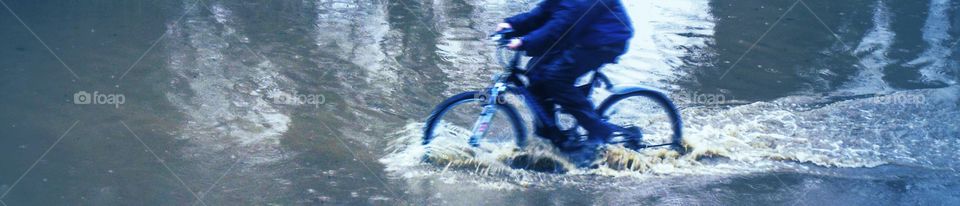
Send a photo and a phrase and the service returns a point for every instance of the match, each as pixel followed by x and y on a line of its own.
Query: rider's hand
pixel 502 26
pixel 515 43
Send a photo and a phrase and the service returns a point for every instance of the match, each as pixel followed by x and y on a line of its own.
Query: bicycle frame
pixel 489 110
pixel 492 95
pixel 509 81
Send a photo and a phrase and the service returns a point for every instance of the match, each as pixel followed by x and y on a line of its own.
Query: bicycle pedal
pixel 473 142
pixel 634 145
pixel 632 132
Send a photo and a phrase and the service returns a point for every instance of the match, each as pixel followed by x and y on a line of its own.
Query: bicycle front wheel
pixel 449 127
pixel 652 112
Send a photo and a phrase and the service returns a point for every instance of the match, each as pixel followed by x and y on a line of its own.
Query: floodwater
pixel 215 102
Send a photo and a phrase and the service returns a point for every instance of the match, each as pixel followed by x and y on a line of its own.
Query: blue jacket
pixel 555 25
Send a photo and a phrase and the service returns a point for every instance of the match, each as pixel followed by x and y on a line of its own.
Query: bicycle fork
pixel 486 115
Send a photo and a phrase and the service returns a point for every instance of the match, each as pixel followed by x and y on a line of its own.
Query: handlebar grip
pixel 503 36
pixel 504 32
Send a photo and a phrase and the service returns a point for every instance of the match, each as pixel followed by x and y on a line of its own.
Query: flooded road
pixel 322 102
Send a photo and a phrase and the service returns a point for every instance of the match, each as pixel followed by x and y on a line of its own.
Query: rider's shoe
pixel 633 137
pixel 548 133
pixel 568 145
pixel 585 153
pixel 567 140
pixel 632 133
pixel 585 156
pixel 582 153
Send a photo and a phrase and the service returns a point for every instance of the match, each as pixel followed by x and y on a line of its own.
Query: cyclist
pixel 566 39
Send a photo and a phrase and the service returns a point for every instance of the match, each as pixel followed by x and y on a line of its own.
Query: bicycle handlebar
pixel 502 38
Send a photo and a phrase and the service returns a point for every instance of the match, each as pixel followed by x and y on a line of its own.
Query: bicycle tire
pixel 663 101
pixel 435 117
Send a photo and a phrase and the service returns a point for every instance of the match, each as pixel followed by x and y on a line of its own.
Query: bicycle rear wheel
pixel 652 112
pixel 448 129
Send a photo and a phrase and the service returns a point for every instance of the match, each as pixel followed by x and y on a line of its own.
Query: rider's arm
pixel 563 17
pixel 526 22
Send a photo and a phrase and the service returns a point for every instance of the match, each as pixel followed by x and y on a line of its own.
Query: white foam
pixel 224 100
pixel 936 32
pixel 785 134
pixel 873 49
pixel 790 133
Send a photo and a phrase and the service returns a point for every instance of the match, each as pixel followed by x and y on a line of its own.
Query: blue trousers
pixel 552 82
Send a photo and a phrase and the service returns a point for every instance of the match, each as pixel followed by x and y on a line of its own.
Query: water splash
pixel 935 61
pixel 791 133
pixel 802 133
pixel 874 46
pixel 226 100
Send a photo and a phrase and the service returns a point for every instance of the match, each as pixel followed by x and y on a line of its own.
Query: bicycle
pixel 492 100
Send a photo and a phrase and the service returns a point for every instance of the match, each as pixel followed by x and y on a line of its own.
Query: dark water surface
pixel 822 103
